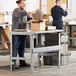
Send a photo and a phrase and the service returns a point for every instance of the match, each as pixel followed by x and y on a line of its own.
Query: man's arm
pixel 64 13
pixel 18 14
pixel 29 18
pixel 51 13
pixel 30 13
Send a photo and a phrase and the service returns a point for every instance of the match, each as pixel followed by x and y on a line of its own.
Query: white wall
pixel 72 9
pixel 32 5
pixel 10 5
pixel 7 5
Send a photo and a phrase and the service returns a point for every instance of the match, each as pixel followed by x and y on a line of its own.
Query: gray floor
pixel 68 70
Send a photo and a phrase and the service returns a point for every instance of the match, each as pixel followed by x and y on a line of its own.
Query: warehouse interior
pixel 49 51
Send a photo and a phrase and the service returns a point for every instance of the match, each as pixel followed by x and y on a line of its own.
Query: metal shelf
pixel 70 38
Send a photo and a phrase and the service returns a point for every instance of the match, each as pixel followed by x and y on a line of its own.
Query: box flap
pixel 36 21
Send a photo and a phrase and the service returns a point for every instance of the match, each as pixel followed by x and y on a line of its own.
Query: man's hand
pixel 33 12
pixel 66 10
pixel 29 13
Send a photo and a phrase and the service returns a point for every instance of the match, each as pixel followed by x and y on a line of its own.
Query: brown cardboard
pixel 1 18
pixel 74 34
pixel 50 27
pixel 5 37
pixel 38 15
pixel 38 25
pixel 46 17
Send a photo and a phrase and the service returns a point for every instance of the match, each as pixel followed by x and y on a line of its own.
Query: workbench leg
pixel 59 59
pixel 59 39
pixel 31 52
pixel 39 54
pixel 11 66
pixel 70 27
pixel 39 60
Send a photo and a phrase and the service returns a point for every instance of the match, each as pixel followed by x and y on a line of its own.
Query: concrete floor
pixel 68 70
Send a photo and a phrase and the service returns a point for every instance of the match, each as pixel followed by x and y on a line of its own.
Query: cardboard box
pixel 1 18
pixel 38 25
pixel 5 36
pixel 38 15
pixel 74 34
pixel 46 17
pixel 50 27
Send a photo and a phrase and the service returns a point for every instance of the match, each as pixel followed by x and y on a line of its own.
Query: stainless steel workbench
pixel 35 50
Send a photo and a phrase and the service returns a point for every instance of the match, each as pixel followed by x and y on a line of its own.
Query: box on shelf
pixel 1 18
pixel 45 17
pixel 38 25
pixel 5 37
pixel 50 27
pixel 74 34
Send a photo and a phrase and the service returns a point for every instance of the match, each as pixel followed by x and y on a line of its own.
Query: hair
pixel 57 1
pixel 19 1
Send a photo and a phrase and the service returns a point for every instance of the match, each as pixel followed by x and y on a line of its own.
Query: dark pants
pixel 19 47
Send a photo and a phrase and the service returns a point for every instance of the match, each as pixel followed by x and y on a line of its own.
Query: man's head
pixel 58 2
pixel 21 3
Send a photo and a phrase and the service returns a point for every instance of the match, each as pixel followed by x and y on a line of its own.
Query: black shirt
pixel 57 12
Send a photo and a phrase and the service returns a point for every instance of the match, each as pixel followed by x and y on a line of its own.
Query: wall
pixel 72 9
pixel 32 5
pixel 7 5
pixel 10 5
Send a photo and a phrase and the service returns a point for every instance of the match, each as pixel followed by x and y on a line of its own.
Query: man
pixel 19 22
pixel 57 12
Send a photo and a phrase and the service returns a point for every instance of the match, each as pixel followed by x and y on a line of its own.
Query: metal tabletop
pixel 34 32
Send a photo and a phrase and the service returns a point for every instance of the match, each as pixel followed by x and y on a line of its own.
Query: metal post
pixel 31 52
pixel 59 51
pixel 11 68
pixel 0 35
pixel 70 35
pixel 39 54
